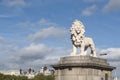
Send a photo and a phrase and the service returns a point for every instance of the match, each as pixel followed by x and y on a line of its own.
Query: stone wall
pixel 82 68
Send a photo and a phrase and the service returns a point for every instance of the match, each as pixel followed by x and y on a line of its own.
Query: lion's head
pixel 77 28
pixel 77 32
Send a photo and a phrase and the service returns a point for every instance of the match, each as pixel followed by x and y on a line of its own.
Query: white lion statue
pixel 79 40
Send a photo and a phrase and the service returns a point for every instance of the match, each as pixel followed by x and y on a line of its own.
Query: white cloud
pixel 23 56
pixel 15 3
pixel 89 11
pixel 1 39
pixel 92 1
pixel 49 32
pixel 46 61
pixel 27 24
pixel 89 0
pixel 33 55
pixel 42 22
pixel 4 16
pixel 113 54
pixel 112 5
pixel 35 51
pixel 43 29
pixel 46 22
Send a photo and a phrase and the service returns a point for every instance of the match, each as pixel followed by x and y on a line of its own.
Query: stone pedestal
pixel 82 68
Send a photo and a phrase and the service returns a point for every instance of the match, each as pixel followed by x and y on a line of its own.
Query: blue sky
pixel 36 32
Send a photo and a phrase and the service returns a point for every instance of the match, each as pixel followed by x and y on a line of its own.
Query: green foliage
pixel 43 77
pixel 37 77
pixel 12 77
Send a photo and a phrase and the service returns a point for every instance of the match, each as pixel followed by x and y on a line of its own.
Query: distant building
pixel 46 71
pixel 30 76
pixel 30 73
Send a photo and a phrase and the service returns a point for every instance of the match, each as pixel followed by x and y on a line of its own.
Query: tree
pixel 43 77
pixel 37 77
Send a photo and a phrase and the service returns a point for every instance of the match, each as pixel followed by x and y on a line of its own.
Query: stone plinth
pixel 82 68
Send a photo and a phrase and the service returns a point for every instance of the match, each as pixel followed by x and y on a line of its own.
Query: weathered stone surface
pixel 82 68
pixel 78 38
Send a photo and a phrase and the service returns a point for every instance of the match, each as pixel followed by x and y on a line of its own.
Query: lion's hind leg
pixel 93 51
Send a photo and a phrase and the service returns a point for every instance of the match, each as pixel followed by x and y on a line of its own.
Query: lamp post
pixel 103 54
